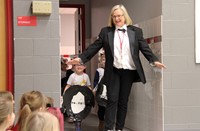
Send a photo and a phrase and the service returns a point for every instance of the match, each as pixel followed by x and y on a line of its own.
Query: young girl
pixel 30 101
pixel 55 111
pixel 6 110
pixel 41 121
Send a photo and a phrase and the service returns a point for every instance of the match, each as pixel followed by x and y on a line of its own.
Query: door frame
pixel 82 8
pixel 9 47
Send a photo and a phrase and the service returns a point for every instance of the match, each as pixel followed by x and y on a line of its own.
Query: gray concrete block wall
pixel 181 79
pixel 37 52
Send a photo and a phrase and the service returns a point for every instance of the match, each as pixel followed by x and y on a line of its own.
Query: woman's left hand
pixel 159 65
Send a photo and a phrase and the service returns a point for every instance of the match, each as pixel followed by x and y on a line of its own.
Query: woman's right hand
pixel 74 61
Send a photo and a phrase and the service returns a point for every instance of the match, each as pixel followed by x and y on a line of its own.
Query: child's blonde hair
pixel 30 101
pixel 6 108
pixel 41 121
pixel 49 102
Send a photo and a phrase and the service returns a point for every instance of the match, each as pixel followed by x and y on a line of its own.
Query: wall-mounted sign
pixel 27 21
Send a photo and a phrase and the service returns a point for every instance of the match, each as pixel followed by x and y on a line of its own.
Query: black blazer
pixel 106 39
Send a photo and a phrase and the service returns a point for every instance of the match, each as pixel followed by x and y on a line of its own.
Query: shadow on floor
pixel 90 123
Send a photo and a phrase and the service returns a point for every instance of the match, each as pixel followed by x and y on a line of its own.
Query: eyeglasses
pixel 80 65
pixel 117 16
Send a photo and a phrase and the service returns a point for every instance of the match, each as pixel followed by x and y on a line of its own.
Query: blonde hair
pixel 101 54
pixel 6 95
pixel 29 102
pixel 6 108
pixel 41 121
pixel 49 102
pixel 128 19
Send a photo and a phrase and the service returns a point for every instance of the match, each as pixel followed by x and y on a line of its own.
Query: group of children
pixel 34 113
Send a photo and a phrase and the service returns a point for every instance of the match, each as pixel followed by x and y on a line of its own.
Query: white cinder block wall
pixel 181 79
pixel 37 52
pixel 145 103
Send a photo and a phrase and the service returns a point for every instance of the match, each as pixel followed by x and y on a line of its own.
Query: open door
pixel 72 29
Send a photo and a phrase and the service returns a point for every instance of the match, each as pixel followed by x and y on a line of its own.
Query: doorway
pixel 72 29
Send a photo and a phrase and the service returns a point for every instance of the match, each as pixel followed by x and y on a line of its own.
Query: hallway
pixel 88 124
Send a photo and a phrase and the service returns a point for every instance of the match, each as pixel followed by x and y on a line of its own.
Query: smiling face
pixel 118 18
pixel 79 69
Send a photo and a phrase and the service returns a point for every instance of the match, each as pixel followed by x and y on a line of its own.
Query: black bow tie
pixel 123 30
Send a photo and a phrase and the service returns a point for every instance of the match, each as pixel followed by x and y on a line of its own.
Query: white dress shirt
pixel 122 53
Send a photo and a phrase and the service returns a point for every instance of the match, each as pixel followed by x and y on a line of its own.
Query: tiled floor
pixel 88 124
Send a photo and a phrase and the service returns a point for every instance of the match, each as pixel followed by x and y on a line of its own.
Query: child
pixel 98 76
pixel 41 121
pixel 55 111
pixel 7 116
pixel 78 77
pixel 100 70
pixel 29 102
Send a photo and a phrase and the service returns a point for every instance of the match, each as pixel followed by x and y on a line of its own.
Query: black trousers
pixel 118 93
pixel 101 112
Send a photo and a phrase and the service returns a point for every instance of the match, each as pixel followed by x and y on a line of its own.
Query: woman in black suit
pixel 122 43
